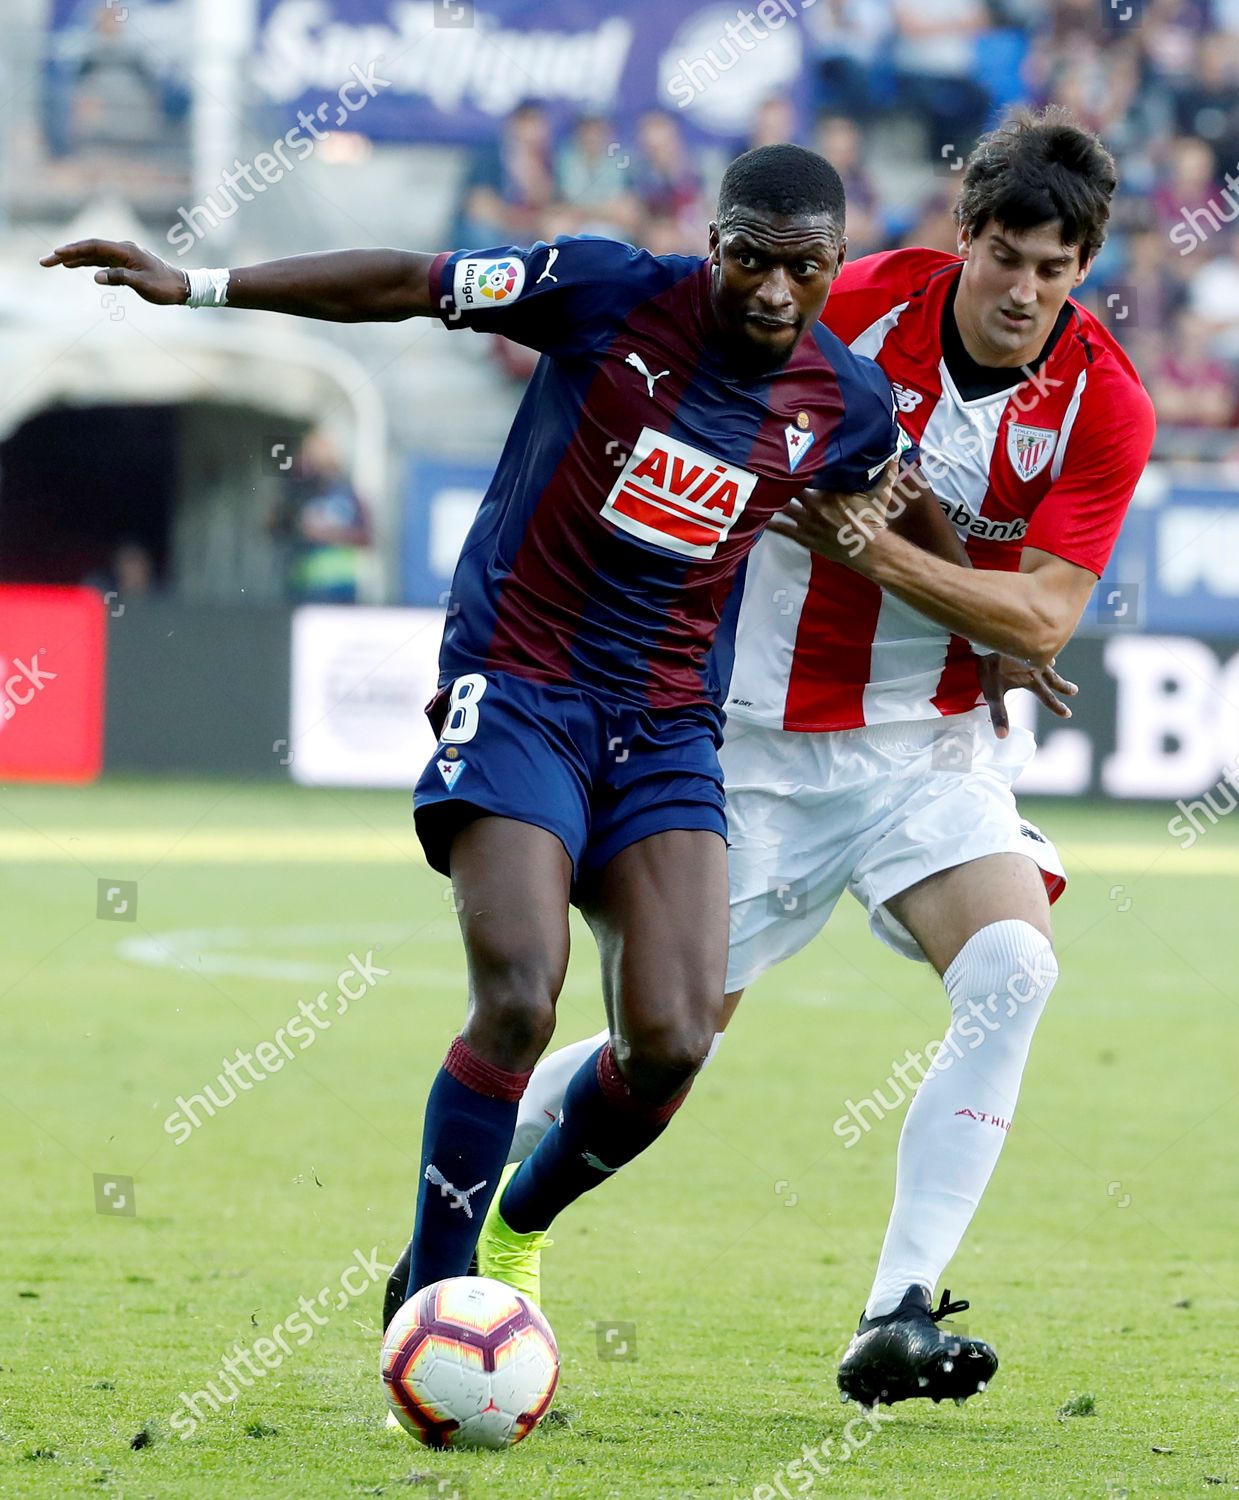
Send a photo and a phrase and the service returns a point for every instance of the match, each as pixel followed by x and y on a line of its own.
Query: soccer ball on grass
pixel 469 1363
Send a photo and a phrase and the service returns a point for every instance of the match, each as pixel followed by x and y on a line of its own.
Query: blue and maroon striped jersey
pixel 639 469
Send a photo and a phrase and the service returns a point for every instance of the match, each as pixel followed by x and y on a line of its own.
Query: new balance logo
pixel 446 1190
pixel 639 365
pixel 676 496
pixel 980 526
pixel 905 399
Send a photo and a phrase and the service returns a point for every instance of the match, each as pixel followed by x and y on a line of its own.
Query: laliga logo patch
pixel 450 771
pixel 1029 448
pixel 483 283
pixel 676 496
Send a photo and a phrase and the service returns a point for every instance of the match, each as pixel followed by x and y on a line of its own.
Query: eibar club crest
pixel 798 444
pixel 1030 448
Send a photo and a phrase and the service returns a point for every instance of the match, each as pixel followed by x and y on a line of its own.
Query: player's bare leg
pixel 659 913
pixel 985 927
pixel 511 883
pixel 543 1099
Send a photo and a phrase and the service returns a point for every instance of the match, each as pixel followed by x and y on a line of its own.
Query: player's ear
pixel 841 256
pixel 1085 267
pixel 715 257
pixel 964 241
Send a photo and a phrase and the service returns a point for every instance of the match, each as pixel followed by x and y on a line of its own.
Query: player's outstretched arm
pixel 340 286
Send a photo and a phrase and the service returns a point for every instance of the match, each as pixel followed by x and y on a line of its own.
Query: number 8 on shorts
pixel 462 709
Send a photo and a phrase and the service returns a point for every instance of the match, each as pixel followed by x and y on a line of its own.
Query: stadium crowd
pixel 916 81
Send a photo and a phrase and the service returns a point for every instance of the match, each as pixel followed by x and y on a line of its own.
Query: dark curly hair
pixel 1037 167
pixel 785 180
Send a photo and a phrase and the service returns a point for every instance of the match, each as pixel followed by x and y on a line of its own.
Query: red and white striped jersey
pixel 1050 463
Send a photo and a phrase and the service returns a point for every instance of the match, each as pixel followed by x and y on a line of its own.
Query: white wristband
pixel 207 288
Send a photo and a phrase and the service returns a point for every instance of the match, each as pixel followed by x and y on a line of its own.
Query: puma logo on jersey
pixel 552 256
pixel 980 526
pixel 638 364
pixel 905 399
pixel 676 496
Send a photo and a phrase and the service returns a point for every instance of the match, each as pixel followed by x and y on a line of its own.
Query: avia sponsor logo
pixel 677 497
pixel 487 283
pixel 982 1118
pixel 979 526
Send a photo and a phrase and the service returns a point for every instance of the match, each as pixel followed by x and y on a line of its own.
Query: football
pixel 469 1363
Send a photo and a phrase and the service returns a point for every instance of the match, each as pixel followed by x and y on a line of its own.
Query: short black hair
pixel 1037 167
pixel 786 180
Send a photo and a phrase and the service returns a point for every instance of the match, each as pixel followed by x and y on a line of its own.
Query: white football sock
pixel 544 1094
pixel 956 1125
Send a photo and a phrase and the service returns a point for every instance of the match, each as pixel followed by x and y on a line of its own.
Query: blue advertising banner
pixel 1176 566
pixel 450 70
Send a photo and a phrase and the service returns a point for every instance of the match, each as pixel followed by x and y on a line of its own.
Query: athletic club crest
pixel 1029 448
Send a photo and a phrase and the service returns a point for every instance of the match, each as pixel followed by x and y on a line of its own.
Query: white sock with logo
pixel 956 1124
pixel 544 1094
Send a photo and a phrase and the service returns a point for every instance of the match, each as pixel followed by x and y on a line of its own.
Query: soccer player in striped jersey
pixel 680 403
pixel 856 756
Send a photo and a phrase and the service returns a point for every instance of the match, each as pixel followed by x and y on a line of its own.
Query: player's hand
pixel 835 524
pixel 1000 674
pixel 125 264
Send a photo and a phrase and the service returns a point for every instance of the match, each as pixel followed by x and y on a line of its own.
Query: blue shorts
pixel 597 773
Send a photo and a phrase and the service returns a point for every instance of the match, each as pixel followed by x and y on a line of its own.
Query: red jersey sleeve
pixel 1106 453
pixel 867 289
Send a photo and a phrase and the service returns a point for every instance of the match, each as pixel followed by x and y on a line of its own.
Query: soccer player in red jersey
pixel 856 757
pixel 680 403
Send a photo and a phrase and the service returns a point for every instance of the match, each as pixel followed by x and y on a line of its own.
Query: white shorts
pixel 873 811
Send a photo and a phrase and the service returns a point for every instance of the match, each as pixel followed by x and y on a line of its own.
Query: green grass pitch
pixel 1102 1264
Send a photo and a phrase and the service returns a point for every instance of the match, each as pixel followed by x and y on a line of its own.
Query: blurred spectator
pixel 838 139
pixel 1191 185
pixel 934 53
pixel 935 228
pixel 510 184
pixel 667 181
pixel 851 37
pixel 1147 284
pixel 1190 386
pixel 130 577
pixel 774 123
pixel 1207 105
pixel 117 90
pixel 592 174
pixel 323 525
pixel 1215 295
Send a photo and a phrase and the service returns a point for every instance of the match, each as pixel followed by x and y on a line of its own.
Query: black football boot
pixel 904 1354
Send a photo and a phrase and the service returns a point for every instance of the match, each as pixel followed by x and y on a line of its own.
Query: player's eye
pixel 806 268
pixel 747 262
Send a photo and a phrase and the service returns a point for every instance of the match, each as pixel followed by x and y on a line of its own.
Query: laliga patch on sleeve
pixel 487 283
